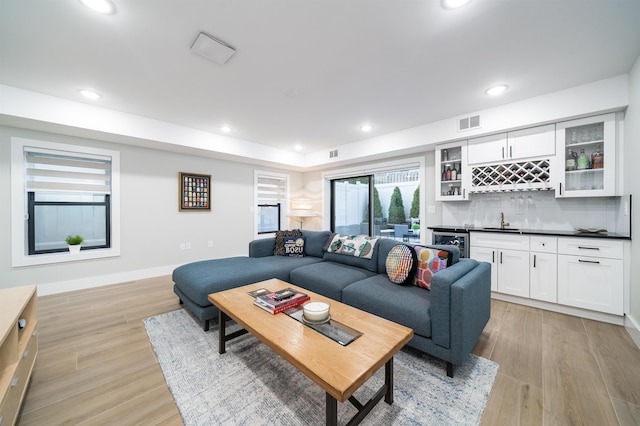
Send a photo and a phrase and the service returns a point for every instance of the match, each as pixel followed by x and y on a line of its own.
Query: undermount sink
pixel 502 229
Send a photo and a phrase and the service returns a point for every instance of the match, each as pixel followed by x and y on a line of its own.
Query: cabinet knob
pixel 25 354
pixel 14 382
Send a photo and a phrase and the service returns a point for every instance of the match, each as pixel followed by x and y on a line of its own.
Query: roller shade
pixel 271 190
pixel 45 171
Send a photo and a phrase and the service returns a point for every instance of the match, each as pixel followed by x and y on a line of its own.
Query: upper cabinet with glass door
pixel 451 182
pixel 586 157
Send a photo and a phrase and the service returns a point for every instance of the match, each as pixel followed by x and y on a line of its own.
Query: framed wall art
pixel 195 192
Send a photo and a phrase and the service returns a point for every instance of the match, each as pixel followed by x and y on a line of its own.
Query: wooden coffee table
pixel 339 370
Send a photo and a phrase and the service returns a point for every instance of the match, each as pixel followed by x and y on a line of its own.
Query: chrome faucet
pixel 503 224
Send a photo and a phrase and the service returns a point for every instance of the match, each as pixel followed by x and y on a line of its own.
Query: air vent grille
pixel 333 153
pixel 468 123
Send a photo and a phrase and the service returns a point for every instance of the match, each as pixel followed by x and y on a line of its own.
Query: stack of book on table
pixel 281 300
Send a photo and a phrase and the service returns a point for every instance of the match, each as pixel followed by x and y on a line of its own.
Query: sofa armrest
pixel 470 310
pixel 262 247
pixel 441 303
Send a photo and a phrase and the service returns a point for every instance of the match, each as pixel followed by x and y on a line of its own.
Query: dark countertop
pixel 462 229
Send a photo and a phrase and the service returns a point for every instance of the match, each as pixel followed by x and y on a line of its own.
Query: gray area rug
pixel 251 385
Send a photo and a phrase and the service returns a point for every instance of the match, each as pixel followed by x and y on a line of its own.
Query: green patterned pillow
pixel 279 249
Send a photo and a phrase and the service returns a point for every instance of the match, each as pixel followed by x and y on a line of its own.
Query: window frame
pixel 20 256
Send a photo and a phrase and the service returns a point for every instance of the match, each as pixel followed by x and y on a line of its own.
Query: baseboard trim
pixel 102 280
pixel 568 310
pixel 633 328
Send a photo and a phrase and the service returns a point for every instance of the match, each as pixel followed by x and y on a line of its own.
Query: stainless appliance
pixel 457 237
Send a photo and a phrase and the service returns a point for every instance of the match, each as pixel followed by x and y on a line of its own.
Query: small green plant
pixel 74 240
pixel 415 226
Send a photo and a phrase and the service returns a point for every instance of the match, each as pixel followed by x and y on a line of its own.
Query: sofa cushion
pixel 294 246
pixel 401 264
pixel 279 246
pixel 315 241
pixel 327 278
pixel 199 279
pixel 430 261
pixel 407 305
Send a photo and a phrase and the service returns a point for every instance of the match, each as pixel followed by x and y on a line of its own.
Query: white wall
pixel 631 157
pixel 152 228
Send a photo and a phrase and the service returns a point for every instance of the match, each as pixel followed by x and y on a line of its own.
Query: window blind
pixel 271 190
pixel 58 172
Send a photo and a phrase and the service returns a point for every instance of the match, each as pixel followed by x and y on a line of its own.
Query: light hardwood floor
pixel 95 365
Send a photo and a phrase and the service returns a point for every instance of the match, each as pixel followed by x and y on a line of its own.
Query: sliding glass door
pixel 350 205
pixel 390 197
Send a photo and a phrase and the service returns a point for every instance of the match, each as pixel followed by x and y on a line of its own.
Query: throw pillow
pixel 279 248
pixel 401 264
pixel 294 246
pixel 351 245
pixel 430 261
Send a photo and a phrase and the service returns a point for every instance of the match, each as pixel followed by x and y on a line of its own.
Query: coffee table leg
pixel 388 381
pixel 222 319
pixel 332 410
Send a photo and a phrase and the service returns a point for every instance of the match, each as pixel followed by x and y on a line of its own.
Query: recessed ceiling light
pixel 366 127
pixel 89 94
pixel 454 4
pixel 297 147
pixel 291 92
pixel 496 90
pixel 100 6
pixel 225 129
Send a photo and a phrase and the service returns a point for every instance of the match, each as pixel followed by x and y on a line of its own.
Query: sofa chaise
pixel 447 320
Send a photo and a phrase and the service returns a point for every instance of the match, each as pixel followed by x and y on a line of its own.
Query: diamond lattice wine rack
pixel 523 176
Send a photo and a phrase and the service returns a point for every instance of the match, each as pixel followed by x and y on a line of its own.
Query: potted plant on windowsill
pixel 74 243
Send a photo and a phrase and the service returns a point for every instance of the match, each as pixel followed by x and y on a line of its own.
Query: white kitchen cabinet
pixel 508 255
pixel 487 254
pixel 487 149
pixel 526 143
pixel 543 271
pixel 451 172
pixel 511 265
pixel 586 157
pixel 590 274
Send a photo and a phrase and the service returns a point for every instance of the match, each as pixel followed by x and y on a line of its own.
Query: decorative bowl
pixel 316 311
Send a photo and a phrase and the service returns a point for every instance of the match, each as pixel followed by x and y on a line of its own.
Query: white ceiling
pixel 394 63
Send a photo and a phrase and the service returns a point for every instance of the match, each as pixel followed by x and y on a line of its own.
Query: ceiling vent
pixel 333 153
pixel 468 123
pixel 212 49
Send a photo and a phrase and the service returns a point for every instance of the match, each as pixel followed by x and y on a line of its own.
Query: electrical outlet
pixel 209 244
pixel 431 209
pixel 187 246
pixel 182 247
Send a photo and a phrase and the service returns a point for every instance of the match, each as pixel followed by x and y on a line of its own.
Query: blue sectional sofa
pixel 447 320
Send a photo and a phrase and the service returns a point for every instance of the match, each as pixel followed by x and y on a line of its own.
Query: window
pixel 388 193
pixel 271 195
pixel 60 190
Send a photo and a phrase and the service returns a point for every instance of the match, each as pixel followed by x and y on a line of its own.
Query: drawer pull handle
pixel 493 256
pixel 14 382
pixel 588 261
pixel 534 260
pixel 500 257
pixel 25 354
pixel 588 248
